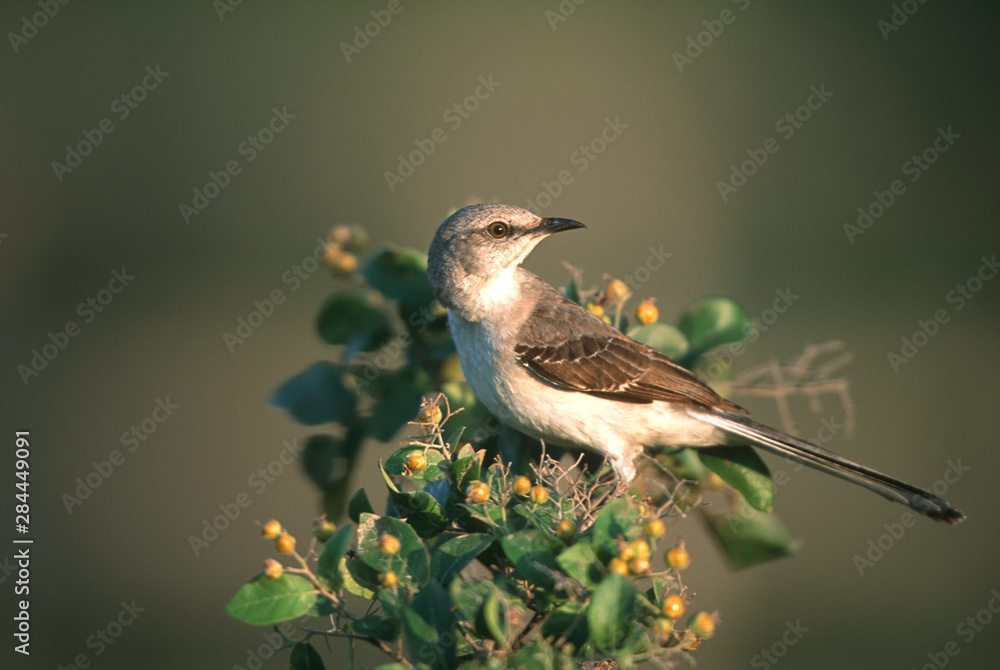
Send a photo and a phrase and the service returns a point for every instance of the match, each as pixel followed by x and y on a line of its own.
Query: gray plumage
pixel 553 370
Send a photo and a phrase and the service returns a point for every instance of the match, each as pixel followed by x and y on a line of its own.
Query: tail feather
pixel 821 459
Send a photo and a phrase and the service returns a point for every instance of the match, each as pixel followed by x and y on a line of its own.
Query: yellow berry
pixel 640 549
pixel 271 529
pixel 702 624
pixel 539 494
pixel 340 234
pixel 344 264
pixel 358 240
pixel 654 528
pixel 638 565
pixel 626 552
pixel 430 414
pixel 285 544
pixel 595 309
pixel 673 606
pixel 617 290
pixel 522 485
pixel 617 566
pixel 477 492
pixel 416 460
pixel 323 530
pixel 273 569
pixel 388 544
pixel 662 628
pixel 566 530
pixel 646 312
pixel 678 557
pixel 389 579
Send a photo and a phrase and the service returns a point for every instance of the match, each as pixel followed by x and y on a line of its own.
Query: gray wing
pixel 571 348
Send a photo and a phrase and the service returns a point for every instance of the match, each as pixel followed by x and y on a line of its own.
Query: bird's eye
pixel 498 229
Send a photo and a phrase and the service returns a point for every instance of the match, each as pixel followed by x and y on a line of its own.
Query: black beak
pixel 550 225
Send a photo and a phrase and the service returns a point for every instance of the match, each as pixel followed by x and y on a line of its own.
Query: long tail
pixel 809 454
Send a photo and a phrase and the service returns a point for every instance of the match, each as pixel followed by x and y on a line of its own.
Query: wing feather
pixel 571 348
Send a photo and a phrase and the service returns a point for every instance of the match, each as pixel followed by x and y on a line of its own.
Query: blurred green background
pixel 554 84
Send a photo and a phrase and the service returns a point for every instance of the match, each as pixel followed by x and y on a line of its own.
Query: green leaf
pixel 685 464
pixel 350 318
pixel 316 395
pixel 663 337
pixel 421 510
pixel 410 560
pixel 359 505
pixel 361 579
pixel 468 468
pixel 332 555
pixel 326 460
pixel 534 556
pixel 376 626
pixel 454 555
pixel 428 626
pixel 749 537
pixel 618 519
pixel 569 622
pixel 495 611
pixel 304 657
pixel 709 322
pixel 396 463
pixel 744 470
pixel 468 598
pixel 572 291
pixel 580 562
pixel 263 601
pixel 610 615
pixel 539 656
pixel 399 393
pixel 400 274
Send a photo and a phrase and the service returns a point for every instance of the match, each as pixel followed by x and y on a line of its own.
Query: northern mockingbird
pixel 554 371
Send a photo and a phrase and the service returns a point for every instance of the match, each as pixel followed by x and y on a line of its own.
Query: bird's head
pixel 477 249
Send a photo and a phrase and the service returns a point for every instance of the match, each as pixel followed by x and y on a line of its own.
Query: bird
pixel 554 371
